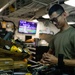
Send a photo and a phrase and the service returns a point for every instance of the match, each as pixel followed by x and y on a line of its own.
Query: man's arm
pixel 51 59
pixel 69 62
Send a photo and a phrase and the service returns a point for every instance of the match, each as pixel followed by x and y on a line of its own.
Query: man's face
pixel 57 20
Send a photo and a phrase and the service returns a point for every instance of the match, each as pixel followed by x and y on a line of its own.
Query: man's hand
pixel 49 59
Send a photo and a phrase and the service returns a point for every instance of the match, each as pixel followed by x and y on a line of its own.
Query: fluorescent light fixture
pixel 70 2
pixel 35 20
pixel 46 16
pixel 71 22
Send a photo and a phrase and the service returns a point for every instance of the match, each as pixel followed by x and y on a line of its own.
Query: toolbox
pixel 20 64
pixel 6 63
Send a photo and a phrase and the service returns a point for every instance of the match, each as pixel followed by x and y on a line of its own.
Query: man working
pixel 63 42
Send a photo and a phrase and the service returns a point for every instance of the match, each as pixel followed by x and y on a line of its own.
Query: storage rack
pixel 17 58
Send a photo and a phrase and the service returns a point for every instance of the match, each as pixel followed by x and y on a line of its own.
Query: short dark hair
pixel 56 8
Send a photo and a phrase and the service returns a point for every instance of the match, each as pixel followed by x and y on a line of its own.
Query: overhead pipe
pixel 40 2
pixel 8 4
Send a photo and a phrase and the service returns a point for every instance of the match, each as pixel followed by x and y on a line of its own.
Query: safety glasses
pixel 55 19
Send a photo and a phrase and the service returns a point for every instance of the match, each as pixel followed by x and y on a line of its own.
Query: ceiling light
pixel 46 16
pixel 71 22
pixel 35 20
pixel 70 2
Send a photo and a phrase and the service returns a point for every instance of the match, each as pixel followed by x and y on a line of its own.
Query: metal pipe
pixel 40 2
pixel 5 6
